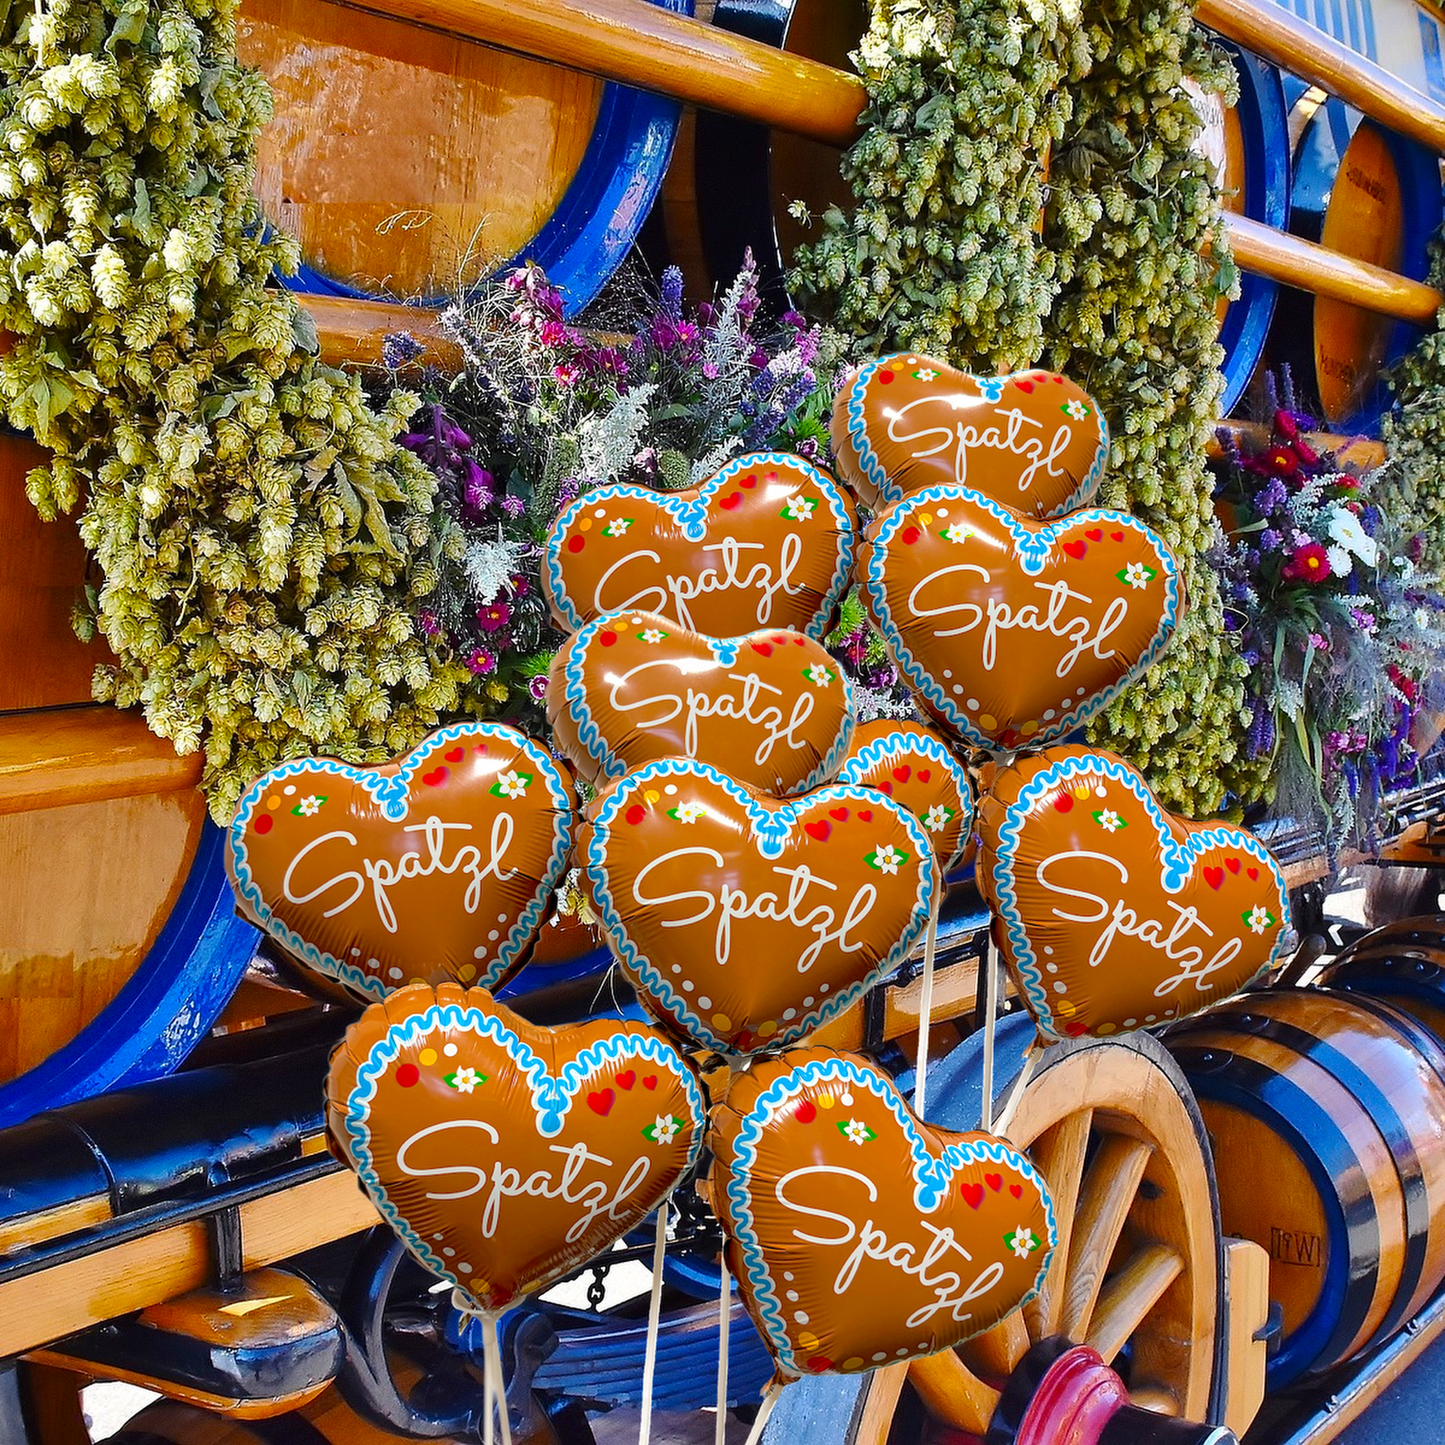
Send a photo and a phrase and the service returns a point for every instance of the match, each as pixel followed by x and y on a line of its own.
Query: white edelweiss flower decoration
pixel 818 674
pixel 511 785
pixel 651 634
pixel 799 509
pixel 926 373
pixel 1109 820
pixel 1258 918
pixel 936 818
pixel 309 807
pixel 1024 1242
pixel 956 532
pixel 465 1080
pixel 664 1127
pixel 856 1131
pixel 1075 410
pixel 615 527
pixel 888 858
pixel 1136 574
pixel 689 812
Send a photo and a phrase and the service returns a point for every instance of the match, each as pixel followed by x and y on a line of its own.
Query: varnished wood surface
pixel 1246 1274
pixel 351 333
pixel 39 1308
pixel 1301 49
pixel 42 571
pixel 408 162
pixel 83 755
pixel 84 891
pixel 1365 219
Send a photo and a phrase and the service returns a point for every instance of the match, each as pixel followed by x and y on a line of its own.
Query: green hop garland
pixel 941 253
pixel 1134 222
pixel 261 534
pixel 1413 488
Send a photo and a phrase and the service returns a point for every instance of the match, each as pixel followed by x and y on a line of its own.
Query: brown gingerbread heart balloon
pixel 506 1155
pixel 744 922
pixel 1111 913
pixel 1012 632
pixel 772 709
pixel 1033 441
pixel 858 1235
pixel 439 865
pixel 766 542
pixel 913 765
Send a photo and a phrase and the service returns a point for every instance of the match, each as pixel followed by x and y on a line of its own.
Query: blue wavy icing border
pixel 991 389
pixel 1033 547
pixel 771 827
pixel 691 515
pixel 725 651
pixel 877 752
pixel 1178 860
pixel 391 794
pixel 552 1095
pixel 932 1176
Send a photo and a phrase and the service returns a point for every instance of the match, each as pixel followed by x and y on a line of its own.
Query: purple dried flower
pixel 398 348
pixel 494 616
pixel 553 333
pixel 519 584
pixel 477 487
pixel 809 450
pixel 481 662
pixel 568 490
pixel 759 358
pixel 794 319
pixel 1274 497
pixel 537 686
pixel 710 370
pixel 513 506
pixel 672 293
pixel 1261 730
pixel 1270 540
pixel 427 621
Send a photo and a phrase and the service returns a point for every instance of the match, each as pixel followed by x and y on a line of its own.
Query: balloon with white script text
pixel 502 1154
pixel 439 865
pixel 859 1235
pixel 1012 633
pixel 913 765
pixel 1033 440
pixel 770 708
pixel 768 541
pixel 744 922
pixel 1111 913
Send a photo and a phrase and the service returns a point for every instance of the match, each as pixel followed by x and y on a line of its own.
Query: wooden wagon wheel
pixel 1114 1129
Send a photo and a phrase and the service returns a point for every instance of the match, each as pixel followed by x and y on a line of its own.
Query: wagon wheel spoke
pixel 1059 1157
pixel 1108 1190
pixel 880 1400
pixel 993 1354
pixel 952 1393
pixel 1125 1301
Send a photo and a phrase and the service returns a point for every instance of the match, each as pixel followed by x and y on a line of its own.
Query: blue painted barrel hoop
pixel 1264 125
pixel 1419 980
pixel 595 223
pixel 1218 1076
pixel 1387 1120
pixel 164 1009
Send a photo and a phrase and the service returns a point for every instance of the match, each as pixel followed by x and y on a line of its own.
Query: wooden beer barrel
pixel 119 945
pixel 1403 963
pixel 411 164
pixel 1327 1118
pixel 1364 192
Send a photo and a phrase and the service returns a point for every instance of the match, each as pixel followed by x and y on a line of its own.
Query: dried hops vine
pixel 941 251
pixel 1133 220
pixel 260 533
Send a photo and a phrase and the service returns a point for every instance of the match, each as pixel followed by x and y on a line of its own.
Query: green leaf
pixel 303 329
pixel 130 27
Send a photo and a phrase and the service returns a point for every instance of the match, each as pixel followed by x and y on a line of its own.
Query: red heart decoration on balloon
pixel 626 1079
pixel 376 877
pixel 776 720
pixel 1112 916
pixel 781 557
pixel 914 1257
pixel 743 921
pixel 945 808
pixel 1037 448
pixel 471 1131
pixel 1003 641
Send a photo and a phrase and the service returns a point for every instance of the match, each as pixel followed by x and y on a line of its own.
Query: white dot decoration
pixel 480 951
pixel 670 789
pixel 789 1013
pixel 808 1002
pixel 847 1101
pixel 972 704
pixel 1150 1018
pixel 677 968
pixel 824 987
pixel 703 1001
pixel 1052 967
pixel 493 936
pixel 942 512
pixel 464 1267
pixel 450 1051
pixel 880 1355
pixel 1131 1023
pixel 1048 948
pixel 792 1296
pixel 688 985
pixel 1080 691
pixel 289 790
pixel 800 1317
pixel 787 1274
pixel 1100 791
pixel 450 1253
pixel 1048 714
pixel 948 672
pixel 957 689
pixel 1060 988
pixel 393 973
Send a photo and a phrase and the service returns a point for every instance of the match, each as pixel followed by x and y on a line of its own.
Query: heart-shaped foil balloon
pixel 437 866
pixel 1111 913
pixel 858 1235
pixel 506 1155
pixel 913 765
pixel 767 542
pixel 1033 440
pixel 771 709
pixel 1010 632
pixel 744 922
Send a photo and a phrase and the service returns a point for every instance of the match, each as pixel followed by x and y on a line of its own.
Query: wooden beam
pixel 657 50
pixel 1310 267
pixel 82 755
pixel 351 332
pixel 1274 33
